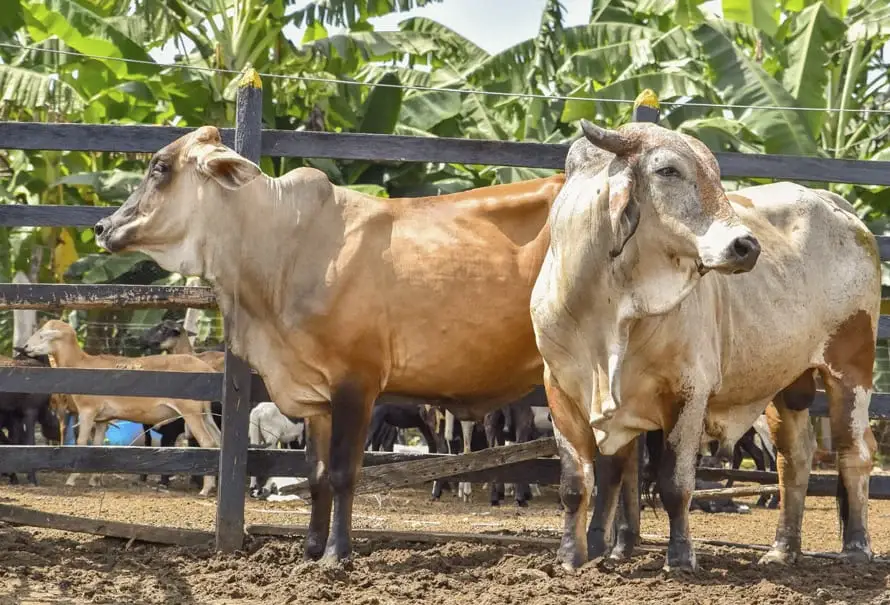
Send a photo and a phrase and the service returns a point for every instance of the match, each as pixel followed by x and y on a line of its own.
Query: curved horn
pixel 609 140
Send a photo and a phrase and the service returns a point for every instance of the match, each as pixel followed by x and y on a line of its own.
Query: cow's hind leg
pixel 576 444
pixel 318 447
pixel 351 406
pixel 788 417
pixel 855 444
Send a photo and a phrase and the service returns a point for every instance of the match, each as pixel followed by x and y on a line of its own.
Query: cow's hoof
pixel 857 555
pixel 312 551
pixel 570 559
pixel 680 557
pixel 522 503
pixel 621 552
pixel 203 494
pixel 335 558
pixel 596 544
pixel 778 556
pixel 624 546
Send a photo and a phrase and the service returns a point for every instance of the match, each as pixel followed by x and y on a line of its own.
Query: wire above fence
pixel 417 87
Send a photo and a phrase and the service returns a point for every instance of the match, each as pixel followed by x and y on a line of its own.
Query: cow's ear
pixel 624 210
pixel 228 168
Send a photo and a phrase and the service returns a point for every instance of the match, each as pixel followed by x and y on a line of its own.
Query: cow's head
pixel 670 183
pixel 164 336
pixel 50 338
pixel 185 186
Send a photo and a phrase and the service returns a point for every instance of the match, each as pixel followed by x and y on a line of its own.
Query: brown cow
pixel 335 296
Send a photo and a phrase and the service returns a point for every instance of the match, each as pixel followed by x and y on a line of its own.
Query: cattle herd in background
pixel 392 417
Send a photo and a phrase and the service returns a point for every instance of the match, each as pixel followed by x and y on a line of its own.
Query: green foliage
pixel 827 54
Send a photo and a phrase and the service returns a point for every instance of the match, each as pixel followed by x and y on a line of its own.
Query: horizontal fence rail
pixel 201 386
pixel 55 297
pixel 402 148
pixel 201 461
pixel 207 386
pixel 293 463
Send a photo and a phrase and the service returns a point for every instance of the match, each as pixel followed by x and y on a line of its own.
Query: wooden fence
pixel 236 386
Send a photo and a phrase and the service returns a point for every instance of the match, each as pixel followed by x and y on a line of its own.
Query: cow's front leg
pixel 318 447
pixel 351 414
pixel 610 471
pixel 628 524
pixel 577 445
pixel 676 480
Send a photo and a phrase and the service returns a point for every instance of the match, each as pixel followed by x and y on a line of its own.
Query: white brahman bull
pixel 664 303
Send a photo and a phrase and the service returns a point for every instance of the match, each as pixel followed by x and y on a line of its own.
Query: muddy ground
pixel 44 566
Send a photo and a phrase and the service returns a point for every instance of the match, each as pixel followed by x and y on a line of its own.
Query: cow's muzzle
pixel 743 254
pixel 106 235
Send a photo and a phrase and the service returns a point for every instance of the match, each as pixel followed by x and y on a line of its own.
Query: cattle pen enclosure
pixel 237 385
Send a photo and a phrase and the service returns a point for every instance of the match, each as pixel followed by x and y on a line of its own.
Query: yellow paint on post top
pixel 647 98
pixel 250 78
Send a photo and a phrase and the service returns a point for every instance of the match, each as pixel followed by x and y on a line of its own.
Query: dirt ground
pixel 44 566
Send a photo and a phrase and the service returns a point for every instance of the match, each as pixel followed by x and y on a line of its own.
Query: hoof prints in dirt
pixel 43 567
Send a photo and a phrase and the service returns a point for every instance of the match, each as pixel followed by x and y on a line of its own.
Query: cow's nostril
pixel 99 229
pixel 745 247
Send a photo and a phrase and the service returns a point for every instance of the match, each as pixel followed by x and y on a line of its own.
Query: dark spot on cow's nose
pixel 746 250
pixel 101 227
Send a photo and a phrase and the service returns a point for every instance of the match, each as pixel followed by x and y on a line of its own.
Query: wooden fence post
pixel 236 388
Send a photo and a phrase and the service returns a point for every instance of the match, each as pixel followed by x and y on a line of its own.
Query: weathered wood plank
pixel 396 148
pixel 203 386
pixel 884 327
pixel 207 386
pixel 93 137
pixel 205 461
pixel 821 484
pixel 52 216
pixel 142 383
pixel 163 460
pixel 56 297
pixel 292 463
pixel 18 515
pixel 878 409
pixel 412 472
pixel 389 535
pixel 796 168
pixel 662 541
pixel 734 492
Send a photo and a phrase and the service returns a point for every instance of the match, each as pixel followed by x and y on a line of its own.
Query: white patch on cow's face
pixel 41 342
pixel 717 247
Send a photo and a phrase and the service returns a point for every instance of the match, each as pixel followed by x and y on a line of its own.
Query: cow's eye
pixel 668 172
pixel 160 168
